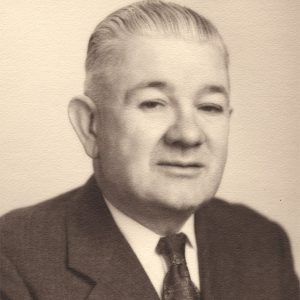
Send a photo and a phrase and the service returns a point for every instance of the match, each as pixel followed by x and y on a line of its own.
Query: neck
pixel 163 221
pixel 155 216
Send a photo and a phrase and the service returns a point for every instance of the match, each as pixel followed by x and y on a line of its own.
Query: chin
pixel 179 200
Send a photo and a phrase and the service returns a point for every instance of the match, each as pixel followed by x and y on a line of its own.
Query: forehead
pixel 157 49
pixel 171 59
pixel 176 62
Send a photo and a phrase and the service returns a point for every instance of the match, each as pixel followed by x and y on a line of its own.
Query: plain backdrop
pixel 43 46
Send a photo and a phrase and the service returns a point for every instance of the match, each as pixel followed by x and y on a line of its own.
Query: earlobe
pixel 82 114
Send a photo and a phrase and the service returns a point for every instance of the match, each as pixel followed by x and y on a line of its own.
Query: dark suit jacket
pixel 70 248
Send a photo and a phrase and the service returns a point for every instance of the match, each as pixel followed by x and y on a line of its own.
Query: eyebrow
pixel 162 85
pixel 151 84
pixel 214 89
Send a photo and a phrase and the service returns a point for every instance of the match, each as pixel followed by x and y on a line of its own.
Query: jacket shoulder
pixel 34 250
pixel 243 229
pixel 23 227
pixel 245 232
pixel 240 237
pixel 239 216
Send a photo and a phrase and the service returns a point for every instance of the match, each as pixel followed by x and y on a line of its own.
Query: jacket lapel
pixel 98 252
pixel 218 252
pixel 203 245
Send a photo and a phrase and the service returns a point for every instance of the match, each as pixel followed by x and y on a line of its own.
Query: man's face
pixel 162 131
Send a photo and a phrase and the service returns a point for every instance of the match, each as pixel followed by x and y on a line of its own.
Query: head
pixel 155 114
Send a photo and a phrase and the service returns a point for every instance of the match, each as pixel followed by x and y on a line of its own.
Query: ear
pixel 82 114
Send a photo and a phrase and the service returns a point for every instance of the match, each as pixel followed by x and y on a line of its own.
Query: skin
pixel 158 133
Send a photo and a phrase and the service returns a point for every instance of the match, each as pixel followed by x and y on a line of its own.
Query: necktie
pixel 177 283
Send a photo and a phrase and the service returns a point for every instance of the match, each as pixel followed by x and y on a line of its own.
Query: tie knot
pixel 173 247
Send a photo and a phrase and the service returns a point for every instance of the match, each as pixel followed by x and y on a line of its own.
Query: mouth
pixel 180 168
pixel 180 164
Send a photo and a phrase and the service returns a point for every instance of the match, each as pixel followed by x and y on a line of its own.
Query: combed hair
pixel 144 18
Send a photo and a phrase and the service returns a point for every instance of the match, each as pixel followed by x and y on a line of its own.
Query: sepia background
pixel 43 45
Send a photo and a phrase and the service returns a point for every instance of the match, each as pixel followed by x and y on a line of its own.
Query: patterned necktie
pixel 177 283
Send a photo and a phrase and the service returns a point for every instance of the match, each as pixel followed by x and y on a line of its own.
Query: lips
pixel 180 169
pixel 180 164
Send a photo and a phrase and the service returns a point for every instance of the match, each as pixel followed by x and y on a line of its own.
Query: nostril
pixel 182 145
pixel 185 135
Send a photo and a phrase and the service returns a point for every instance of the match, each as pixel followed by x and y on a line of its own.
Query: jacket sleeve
pixel 12 286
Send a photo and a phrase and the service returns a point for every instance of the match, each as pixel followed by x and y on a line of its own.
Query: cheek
pixel 140 133
pixel 129 134
pixel 128 141
pixel 217 137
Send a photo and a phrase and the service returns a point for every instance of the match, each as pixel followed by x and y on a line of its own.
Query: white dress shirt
pixel 143 242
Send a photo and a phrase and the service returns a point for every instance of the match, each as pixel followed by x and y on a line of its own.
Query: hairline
pixel 105 70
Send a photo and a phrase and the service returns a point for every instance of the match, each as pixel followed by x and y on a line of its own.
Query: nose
pixel 185 132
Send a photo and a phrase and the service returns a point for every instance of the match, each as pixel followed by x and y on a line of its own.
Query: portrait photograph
pixel 150 150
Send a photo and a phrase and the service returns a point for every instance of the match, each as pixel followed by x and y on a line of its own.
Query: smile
pixel 181 169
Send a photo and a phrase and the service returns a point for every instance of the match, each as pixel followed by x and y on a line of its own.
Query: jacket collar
pixel 97 250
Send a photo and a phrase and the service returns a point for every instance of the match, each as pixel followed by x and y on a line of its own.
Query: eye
pixel 151 104
pixel 211 108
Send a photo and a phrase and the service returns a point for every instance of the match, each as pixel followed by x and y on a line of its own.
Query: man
pixel 154 119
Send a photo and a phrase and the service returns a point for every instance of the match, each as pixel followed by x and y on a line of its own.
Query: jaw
pixel 157 200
